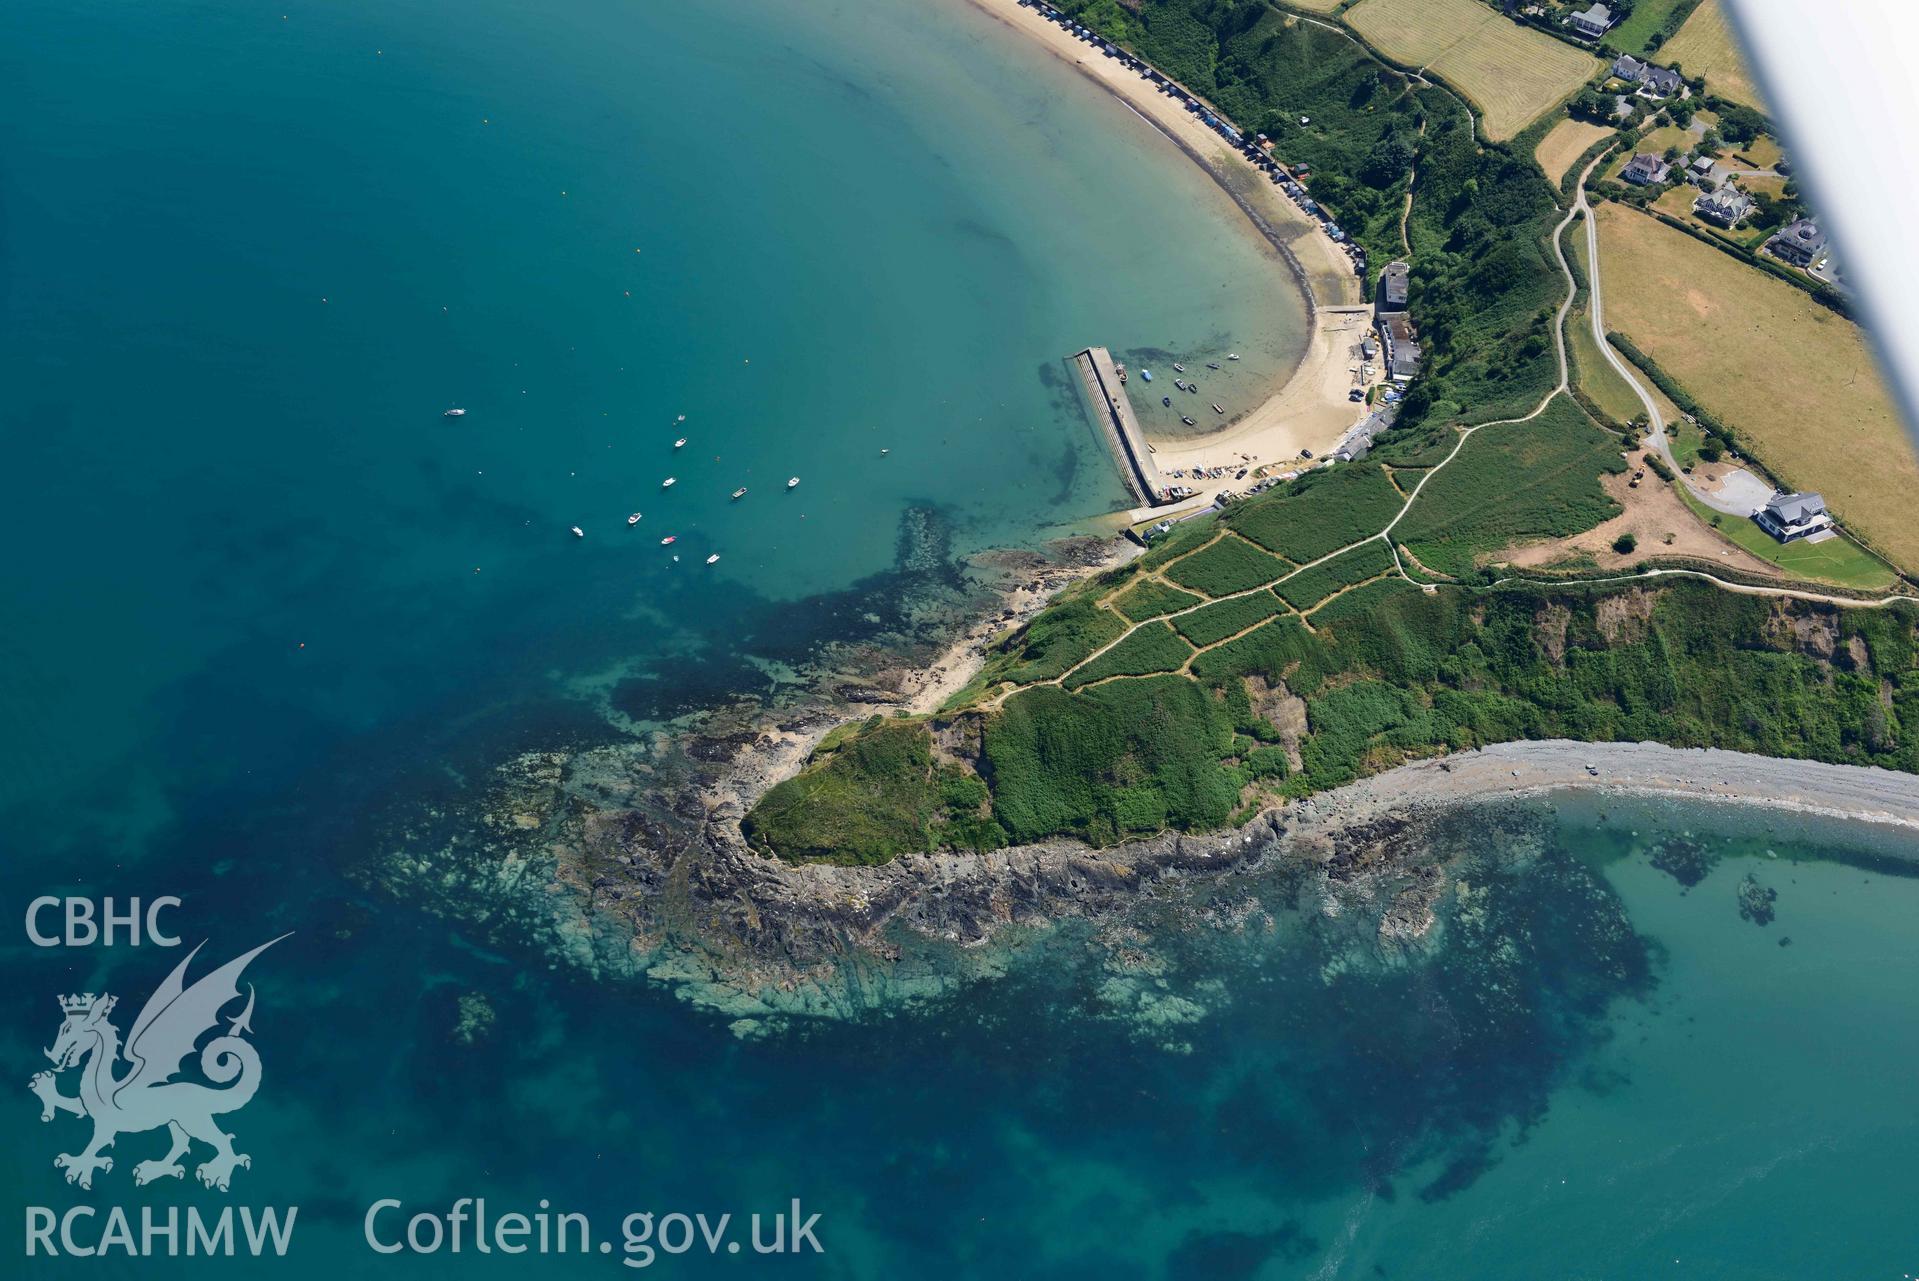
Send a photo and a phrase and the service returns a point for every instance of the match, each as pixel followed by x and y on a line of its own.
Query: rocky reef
pixel 624 858
pixel 632 865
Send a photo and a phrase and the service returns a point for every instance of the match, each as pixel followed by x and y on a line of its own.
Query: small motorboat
pixel 792 481
pixel 682 417
pixel 1218 410
pixel 669 540
pixel 1166 401
pixel 578 532
pixel 885 452
pixel 667 483
pixel 1180 383
pixel 714 557
pixel 1212 364
pixel 1178 368
pixel 739 493
pixel 1188 421
pixel 1232 355
pixel 1147 374
pixel 634 519
pixel 454 413
pixel 680 443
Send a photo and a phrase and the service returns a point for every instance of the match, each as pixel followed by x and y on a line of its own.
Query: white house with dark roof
pixel 1653 82
pixel 1800 243
pixel 1724 207
pixel 1593 23
pixel 1645 170
pixel 1393 286
pixel 1789 517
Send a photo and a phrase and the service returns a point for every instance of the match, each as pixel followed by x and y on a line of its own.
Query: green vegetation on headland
pixel 1475 508
pixel 1150 598
pixel 1305 590
pixel 1409 674
pixel 871 794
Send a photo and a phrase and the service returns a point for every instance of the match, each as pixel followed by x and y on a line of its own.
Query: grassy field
pixel 1315 6
pixel 1565 143
pixel 1706 46
pixel 1597 378
pixel 1642 24
pixel 1795 381
pixel 1512 74
pixel 1838 561
pixel 1473 509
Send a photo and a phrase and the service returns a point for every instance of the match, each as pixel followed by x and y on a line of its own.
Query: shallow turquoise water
pixel 250 259
pixel 247 261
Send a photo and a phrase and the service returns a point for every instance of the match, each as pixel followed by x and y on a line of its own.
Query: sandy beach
pixel 1311 409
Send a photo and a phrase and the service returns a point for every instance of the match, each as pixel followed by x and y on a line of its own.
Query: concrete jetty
pixel 1114 413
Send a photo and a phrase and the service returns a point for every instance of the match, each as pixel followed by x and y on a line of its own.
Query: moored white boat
pixel 634 519
pixel 669 540
pixel 668 483
pixel 740 492
pixel 791 481
pixel 578 532
pixel 710 559
pixel 454 413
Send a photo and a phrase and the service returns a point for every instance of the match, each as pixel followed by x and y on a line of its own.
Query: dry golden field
pixel 1797 382
pixel 1315 6
pixel 1707 46
pixel 1564 143
pixel 1512 74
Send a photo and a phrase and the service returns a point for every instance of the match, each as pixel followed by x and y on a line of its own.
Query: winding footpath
pixel 1578 209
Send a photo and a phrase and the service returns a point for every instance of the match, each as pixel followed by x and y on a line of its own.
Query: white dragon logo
pixel 146 1098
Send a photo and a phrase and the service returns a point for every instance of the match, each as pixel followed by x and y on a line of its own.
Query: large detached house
pixel 1724 207
pixel 1645 170
pixel 1659 82
pixel 1793 516
pixel 1593 23
pixel 1800 243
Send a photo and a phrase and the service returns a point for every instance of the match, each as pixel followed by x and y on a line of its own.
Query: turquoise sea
pixel 258 594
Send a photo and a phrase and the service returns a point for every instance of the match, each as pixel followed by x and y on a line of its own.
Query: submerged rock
pixel 1684 859
pixel 476 1019
pixel 1756 901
